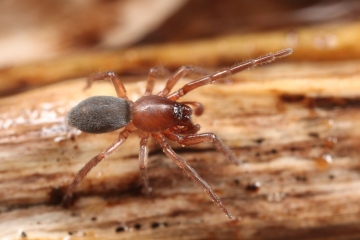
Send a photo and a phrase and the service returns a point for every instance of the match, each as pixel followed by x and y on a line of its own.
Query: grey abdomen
pixel 100 114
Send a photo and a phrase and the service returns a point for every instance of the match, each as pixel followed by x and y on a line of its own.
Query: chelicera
pixel 160 116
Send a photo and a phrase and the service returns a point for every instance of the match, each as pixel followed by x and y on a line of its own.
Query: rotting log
pixel 296 126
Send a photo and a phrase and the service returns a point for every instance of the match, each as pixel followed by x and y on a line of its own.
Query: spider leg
pixel 143 160
pixel 193 139
pixel 118 85
pixel 94 161
pixel 190 171
pixel 227 72
pixel 151 78
pixel 180 73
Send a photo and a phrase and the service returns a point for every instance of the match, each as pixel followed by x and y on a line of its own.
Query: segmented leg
pixel 118 85
pixel 95 160
pixel 143 160
pixel 227 72
pixel 180 73
pixel 190 172
pixel 153 73
pixel 194 139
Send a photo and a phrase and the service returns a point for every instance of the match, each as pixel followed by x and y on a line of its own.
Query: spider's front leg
pixel 268 58
pixel 153 73
pixel 193 139
pixel 170 83
pixel 115 79
pixel 190 172
pixel 180 73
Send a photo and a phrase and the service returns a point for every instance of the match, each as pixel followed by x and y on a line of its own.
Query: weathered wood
pixel 297 127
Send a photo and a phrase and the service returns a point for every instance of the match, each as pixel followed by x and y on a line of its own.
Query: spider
pixel 160 116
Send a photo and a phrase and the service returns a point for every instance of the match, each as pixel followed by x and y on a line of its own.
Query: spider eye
pixel 178 111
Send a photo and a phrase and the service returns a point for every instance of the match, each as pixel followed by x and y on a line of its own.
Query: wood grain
pixel 295 125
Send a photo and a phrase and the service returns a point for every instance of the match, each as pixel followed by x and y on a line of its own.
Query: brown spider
pixel 159 116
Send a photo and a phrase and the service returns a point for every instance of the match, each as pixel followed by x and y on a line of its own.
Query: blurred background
pixel 40 29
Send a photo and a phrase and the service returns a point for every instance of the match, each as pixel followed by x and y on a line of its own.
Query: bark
pixel 295 126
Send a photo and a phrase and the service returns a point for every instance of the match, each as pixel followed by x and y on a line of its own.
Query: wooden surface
pixel 296 126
